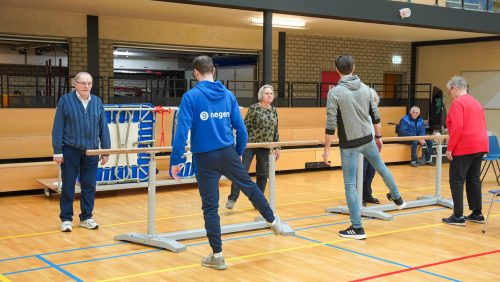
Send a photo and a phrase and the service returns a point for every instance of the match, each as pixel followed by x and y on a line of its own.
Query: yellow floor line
pixel 196 214
pixel 312 245
pixel 3 278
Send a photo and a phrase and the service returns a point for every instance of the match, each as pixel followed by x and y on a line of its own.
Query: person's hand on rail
pixel 176 169
pixel 104 159
pixel 58 160
pixel 277 153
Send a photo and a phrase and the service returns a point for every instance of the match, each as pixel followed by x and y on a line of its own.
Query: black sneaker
pixel 478 218
pixel 373 201
pixel 399 202
pixel 353 233
pixel 453 220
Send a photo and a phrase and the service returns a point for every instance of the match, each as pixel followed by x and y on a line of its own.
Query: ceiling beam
pixel 371 11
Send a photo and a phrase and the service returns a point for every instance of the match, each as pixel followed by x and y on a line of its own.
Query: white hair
pixel 458 82
pixel 262 89
pixel 82 73
pixel 414 108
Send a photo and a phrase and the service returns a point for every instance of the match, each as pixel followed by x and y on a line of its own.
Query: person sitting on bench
pixel 413 125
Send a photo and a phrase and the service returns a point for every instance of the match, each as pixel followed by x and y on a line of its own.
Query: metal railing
pixel 474 5
pixel 21 93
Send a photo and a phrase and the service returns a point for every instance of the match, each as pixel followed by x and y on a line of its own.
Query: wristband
pixel 378 136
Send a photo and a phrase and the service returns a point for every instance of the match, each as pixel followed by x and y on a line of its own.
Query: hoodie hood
pixel 351 82
pixel 212 90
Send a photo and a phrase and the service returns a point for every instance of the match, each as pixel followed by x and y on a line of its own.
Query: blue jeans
pixel 349 159
pixel 77 163
pixel 209 167
pixel 261 169
pixel 427 152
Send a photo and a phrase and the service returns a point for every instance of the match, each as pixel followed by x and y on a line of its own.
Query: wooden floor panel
pixel 33 249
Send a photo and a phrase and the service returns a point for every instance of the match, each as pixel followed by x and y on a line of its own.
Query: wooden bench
pixel 26 133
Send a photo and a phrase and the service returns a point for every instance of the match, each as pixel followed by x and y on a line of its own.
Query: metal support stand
pixel 379 210
pixel 151 239
pixel 169 240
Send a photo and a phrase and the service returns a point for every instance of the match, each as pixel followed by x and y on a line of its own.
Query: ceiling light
pixel 284 23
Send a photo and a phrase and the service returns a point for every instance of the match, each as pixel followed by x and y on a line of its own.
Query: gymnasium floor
pixel 415 246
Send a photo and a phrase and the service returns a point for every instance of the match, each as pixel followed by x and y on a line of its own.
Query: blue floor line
pixel 204 243
pixel 288 220
pixel 26 270
pixel 196 244
pixel 64 251
pixel 378 258
pixel 59 269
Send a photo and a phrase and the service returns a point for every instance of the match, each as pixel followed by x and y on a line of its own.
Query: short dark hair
pixel 203 64
pixel 344 64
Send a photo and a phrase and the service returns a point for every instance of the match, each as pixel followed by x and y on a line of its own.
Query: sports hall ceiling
pixel 173 12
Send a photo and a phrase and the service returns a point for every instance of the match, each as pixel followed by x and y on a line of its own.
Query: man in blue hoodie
pixel 211 112
pixel 413 125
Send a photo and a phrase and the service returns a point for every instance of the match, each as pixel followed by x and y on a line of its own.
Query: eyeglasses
pixel 84 83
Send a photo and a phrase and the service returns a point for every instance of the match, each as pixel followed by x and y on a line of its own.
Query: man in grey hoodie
pixel 349 108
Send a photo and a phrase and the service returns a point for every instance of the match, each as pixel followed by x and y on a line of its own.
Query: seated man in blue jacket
pixel 413 125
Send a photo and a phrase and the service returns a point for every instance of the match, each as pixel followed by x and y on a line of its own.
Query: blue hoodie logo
pixel 220 115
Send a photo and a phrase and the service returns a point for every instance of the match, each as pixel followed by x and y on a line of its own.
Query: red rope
pixel 161 110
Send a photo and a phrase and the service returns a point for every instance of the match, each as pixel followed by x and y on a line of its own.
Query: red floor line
pixel 425 265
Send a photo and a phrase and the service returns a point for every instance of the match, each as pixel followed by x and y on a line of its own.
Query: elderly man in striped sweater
pixel 79 125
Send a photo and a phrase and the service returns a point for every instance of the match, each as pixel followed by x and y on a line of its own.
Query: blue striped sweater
pixel 78 127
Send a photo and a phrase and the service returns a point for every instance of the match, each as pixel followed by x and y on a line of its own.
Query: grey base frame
pixel 169 240
pixel 152 240
pixel 379 211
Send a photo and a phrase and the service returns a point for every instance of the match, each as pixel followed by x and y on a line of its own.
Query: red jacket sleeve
pixel 455 123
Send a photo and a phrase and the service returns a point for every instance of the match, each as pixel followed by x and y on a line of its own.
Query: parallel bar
pixel 169 148
pixel 169 240
pixel 379 211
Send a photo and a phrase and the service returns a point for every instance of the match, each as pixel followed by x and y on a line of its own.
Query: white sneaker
pixel 89 224
pixel 276 225
pixel 66 226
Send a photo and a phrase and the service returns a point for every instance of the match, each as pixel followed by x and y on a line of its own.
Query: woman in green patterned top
pixel 262 126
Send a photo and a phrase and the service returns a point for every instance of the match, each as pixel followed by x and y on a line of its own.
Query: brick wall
pixel 106 69
pixel 308 55
pixel 77 55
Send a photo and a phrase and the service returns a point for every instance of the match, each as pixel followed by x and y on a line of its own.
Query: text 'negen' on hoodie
pixel 211 112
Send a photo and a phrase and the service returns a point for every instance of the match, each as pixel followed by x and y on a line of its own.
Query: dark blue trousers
pixel 368 175
pixel 427 152
pixel 209 168
pixel 261 169
pixel 75 164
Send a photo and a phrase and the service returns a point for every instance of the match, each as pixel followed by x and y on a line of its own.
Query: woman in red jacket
pixel 467 144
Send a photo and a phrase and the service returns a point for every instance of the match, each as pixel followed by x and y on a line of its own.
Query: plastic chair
pixel 491 159
pixel 495 193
